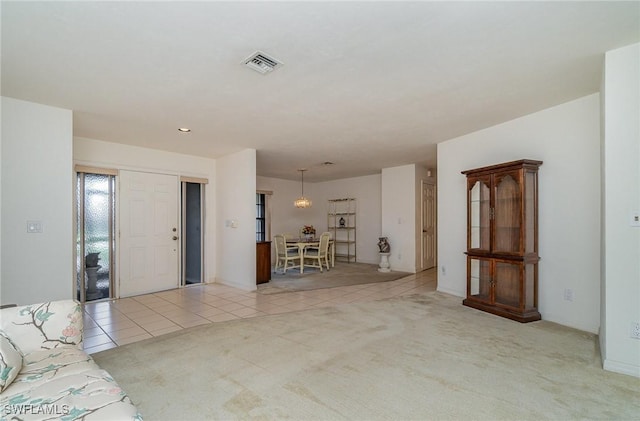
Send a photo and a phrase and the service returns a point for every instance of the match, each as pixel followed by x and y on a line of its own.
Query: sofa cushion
pixel 92 394
pixel 43 326
pixel 41 366
pixel 10 362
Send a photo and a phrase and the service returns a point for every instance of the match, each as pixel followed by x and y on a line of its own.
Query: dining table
pixel 302 243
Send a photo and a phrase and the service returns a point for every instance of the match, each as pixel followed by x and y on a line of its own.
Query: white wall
pixel 399 215
pixel 37 185
pixel 366 190
pixel 621 242
pixel 567 139
pixel 125 157
pixel 236 219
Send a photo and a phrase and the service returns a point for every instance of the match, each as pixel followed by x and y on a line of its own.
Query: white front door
pixel 148 233
pixel 428 225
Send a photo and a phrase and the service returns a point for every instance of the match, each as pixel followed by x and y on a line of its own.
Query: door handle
pixel 175 237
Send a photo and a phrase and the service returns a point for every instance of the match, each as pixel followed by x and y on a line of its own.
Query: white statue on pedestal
pixel 385 251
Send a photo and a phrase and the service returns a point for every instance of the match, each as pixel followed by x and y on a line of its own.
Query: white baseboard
pixel 622 368
pixel 451 292
pixel 235 285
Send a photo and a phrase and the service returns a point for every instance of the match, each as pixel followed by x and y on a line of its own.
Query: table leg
pixel 333 254
pixel 301 251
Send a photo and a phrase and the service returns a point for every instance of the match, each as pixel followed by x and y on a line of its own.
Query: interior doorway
pixel 429 244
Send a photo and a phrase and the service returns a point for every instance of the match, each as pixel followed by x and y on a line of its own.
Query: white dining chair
pixel 318 254
pixel 286 255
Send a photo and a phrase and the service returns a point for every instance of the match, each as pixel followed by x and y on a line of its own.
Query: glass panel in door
pixel 531 204
pixel 479 279
pixel 95 238
pixel 507 214
pixel 479 214
pixel 192 233
pixel 507 283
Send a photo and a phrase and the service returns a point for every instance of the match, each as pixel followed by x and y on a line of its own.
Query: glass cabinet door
pixel 507 283
pixel 507 214
pixel 479 196
pixel 479 283
pixel 530 206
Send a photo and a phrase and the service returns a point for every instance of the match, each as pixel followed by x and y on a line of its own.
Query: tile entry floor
pixel 108 324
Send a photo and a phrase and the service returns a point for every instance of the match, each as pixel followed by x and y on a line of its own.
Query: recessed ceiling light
pixel 184 129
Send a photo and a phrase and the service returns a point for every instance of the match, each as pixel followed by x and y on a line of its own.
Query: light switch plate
pixel 635 218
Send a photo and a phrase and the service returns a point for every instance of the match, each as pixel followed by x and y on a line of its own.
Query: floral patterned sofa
pixel 45 374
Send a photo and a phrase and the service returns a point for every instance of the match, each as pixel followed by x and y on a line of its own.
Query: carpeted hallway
pixel 416 357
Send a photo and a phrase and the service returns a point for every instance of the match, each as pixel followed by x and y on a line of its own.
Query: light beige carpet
pixel 343 274
pixel 421 357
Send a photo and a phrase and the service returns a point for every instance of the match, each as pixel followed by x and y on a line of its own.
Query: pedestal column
pixel 384 262
pixel 93 292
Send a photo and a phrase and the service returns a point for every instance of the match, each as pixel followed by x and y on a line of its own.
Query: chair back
pixel 324 242
pixel 281 248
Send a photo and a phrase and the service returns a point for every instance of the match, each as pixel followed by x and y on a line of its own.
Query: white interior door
pixel 148 232
pixel 428 225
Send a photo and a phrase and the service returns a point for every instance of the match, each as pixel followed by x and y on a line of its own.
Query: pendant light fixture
pixel 302 202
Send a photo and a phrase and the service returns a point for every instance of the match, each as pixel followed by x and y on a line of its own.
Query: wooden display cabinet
pixel 502 239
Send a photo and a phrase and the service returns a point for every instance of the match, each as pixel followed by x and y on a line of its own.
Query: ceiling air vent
pixel 262 63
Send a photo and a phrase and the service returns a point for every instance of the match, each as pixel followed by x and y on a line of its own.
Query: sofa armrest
pixel 44 325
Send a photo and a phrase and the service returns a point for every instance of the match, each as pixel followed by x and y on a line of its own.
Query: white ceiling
pixel 366 85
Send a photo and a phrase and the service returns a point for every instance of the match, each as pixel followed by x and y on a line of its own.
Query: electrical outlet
pixel 568 294
pixel 34 227
pixel 635 330
pixel 635 218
